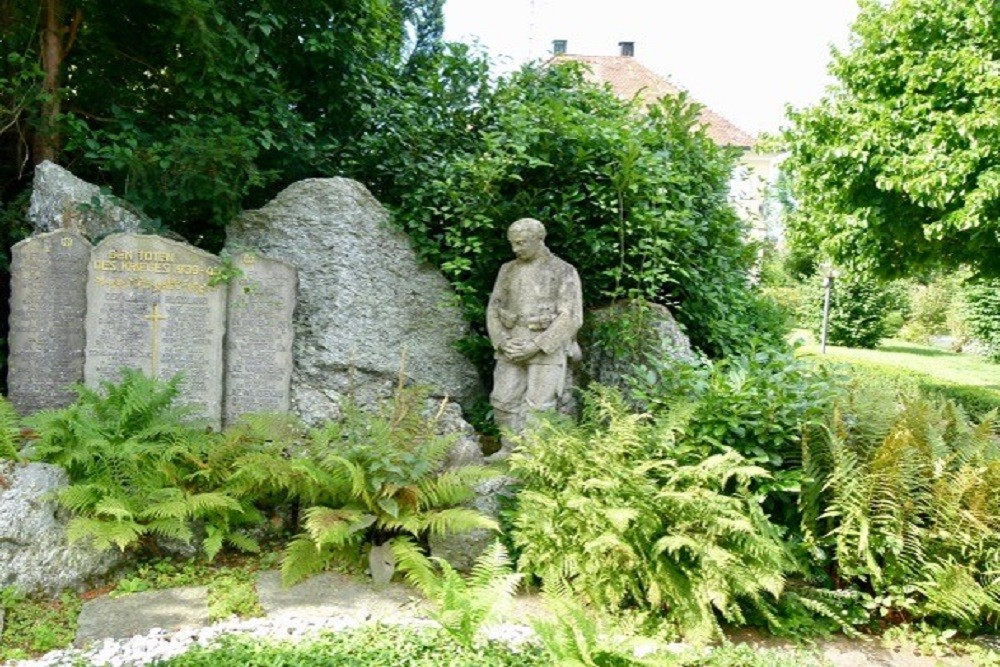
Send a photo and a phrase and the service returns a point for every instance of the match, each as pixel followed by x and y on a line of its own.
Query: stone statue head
pixel 527 238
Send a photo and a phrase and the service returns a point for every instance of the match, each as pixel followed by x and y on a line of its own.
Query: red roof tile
pixel 629 78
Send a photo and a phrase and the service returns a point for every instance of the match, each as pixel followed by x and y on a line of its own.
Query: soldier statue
pixel 534 313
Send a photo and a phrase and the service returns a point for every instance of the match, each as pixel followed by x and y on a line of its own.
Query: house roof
pixel 629 78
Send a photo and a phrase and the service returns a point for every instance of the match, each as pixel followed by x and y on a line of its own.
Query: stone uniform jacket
pixel 540 301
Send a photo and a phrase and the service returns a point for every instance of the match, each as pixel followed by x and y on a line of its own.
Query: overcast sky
pixel 745 59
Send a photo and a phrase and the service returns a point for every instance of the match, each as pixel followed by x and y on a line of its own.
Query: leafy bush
pixel 982 315
pixel 139 470
pixel 463 604
pixel 858 309
pixel 756 405
pixel 903 499
pixel 368 478
pixel 642 519
pixel 10 431
pixel 933 308
pixel 635 200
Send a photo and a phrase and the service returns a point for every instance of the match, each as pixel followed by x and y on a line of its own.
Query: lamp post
pixel 828 284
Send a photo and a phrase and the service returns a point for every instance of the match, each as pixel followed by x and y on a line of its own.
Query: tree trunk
pixel 57 40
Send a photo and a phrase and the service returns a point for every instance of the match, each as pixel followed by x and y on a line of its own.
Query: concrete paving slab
pixel 135 614
pixel 333 594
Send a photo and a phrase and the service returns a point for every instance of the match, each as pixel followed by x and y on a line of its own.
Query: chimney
pixel 558 47
pixel 627 48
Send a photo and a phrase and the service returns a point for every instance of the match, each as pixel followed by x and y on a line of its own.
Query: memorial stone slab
pixel 154 305
pixel 48 301
pixel 259 336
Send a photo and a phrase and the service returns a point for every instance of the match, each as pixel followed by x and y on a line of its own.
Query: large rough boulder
pixel 367 307
pixel 34 554
pixel 618 339
pixel 60 200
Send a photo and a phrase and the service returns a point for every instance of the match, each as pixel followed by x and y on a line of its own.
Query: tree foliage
pixel 898 168
pixel 194 108
pixel 636 200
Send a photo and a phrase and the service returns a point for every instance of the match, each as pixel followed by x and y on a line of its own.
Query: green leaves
pixel 627 516
pixel 905 495
pixel 382 476
pixel 139 472
pixel 634 198
pixel 895 171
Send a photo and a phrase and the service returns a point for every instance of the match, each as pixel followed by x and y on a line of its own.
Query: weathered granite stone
pixel 34 554
pixel 619 338
pixel 152 306
pixel 366 305
pixel 462 549
pixel 259 337
pixel 60 200
pixel 48 302
pixel 466 449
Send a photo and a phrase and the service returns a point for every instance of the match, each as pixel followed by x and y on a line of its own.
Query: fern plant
pixel 576 636
pixel 10 432
pixel 463 604
pixel 372 477
pixel 139 469
pixel 909 499
pixel 621 510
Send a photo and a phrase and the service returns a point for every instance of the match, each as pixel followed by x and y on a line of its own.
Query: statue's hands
pixel 520 350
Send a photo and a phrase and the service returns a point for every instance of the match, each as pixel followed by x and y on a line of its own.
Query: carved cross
pixel 155 317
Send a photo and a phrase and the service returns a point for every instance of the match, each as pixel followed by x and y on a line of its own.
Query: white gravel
pixel 159 644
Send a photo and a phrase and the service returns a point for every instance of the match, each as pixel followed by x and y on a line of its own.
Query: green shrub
pixel 982 315
pixel 628 516
pixel 933 308
pixel 10 431
pixel 139 469
pixel 859 306
pixel 756 405
pixel 366 479
pixel 634 198
pixel 903 499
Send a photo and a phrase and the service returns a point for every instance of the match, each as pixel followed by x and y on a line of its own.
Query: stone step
pixel 334 594
pixel 129 615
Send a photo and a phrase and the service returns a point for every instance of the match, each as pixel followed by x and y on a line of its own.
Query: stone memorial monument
pixel 259 335
pixel 48 300
pixel 533 315
pixel 157 306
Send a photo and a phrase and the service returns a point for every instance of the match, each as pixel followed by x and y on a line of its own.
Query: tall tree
pixel 195 108
pixel 898 168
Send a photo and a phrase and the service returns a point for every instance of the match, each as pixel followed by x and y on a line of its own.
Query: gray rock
pixel 367 307
pixel 462 549
pixel 466 450
pixel 60 200
pixel 34 554
pixel 620 338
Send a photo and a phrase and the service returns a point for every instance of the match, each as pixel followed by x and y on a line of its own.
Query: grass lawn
pixel 942 365
pixel 968 379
